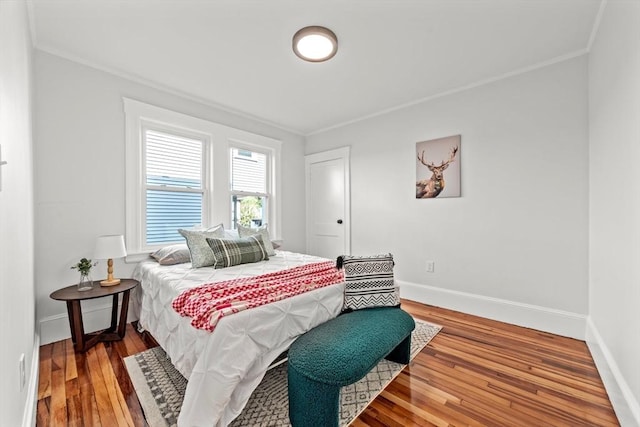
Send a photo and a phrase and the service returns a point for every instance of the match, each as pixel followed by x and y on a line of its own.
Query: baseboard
pixel 56 328
pixel 545 319
pixel 31 404
pixel 624 403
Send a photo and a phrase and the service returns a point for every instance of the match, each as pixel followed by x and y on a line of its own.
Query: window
pixel 174 188
pixel 182 172
pixel 249 188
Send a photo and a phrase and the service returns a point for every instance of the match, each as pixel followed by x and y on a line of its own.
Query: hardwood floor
pixel 474 372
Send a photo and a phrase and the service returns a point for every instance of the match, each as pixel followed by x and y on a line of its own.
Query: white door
pixel 328 202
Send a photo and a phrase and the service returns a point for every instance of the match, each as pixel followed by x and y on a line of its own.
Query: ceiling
pixel 237 54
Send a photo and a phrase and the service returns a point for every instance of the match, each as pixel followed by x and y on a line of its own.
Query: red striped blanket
pixel 208 303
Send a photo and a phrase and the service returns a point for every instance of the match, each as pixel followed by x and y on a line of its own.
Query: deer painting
pixel 430 188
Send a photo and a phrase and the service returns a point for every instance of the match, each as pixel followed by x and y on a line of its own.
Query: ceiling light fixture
pixel 315 44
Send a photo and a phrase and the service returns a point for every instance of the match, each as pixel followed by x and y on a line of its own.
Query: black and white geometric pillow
pixel 369 281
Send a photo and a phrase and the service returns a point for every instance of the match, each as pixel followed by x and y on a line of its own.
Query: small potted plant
pixel 84 267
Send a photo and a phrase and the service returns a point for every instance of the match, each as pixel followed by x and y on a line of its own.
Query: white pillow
pixel 173 254
pixel 263 231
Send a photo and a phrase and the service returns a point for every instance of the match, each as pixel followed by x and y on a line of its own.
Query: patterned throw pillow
pixel 201 254
pixel 369 281
pixel 229 252
pixel 173 254
pixel 263 231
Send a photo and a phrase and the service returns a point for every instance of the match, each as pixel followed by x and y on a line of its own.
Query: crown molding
pixel 31 16
pixel 464 88
pixel 596 24
pixel 165 88
pixel 162 87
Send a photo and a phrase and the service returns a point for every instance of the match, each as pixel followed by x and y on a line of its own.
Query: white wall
pixel 16 218
pixel 614 198
pixel 80 179
pixel 514 246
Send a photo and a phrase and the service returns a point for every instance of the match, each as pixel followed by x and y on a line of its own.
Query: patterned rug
pixel 160 387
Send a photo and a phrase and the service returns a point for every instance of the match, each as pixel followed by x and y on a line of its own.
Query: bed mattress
pixel 225 366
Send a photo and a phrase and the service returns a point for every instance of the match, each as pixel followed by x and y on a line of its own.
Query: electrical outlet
pixel 23 378
pixel 430 266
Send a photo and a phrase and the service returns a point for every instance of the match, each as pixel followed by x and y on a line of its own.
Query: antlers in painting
pixel 430 188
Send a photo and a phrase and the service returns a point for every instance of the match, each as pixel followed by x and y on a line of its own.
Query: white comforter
pixel 225 366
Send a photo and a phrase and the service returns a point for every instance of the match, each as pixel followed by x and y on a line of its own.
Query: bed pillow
pixel 229 252
pixel 173 254
pixel 231 234
pixel 369 281
pixel 262 231
pixel 199 250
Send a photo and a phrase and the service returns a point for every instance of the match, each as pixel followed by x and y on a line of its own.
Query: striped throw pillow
pixel 369 282
pixel 229 252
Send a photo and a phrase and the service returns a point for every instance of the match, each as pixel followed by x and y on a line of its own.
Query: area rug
pixel 160 387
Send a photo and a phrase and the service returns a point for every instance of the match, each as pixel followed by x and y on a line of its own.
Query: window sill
pixel 137 257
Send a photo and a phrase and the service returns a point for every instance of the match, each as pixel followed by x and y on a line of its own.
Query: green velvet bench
pixel 341 352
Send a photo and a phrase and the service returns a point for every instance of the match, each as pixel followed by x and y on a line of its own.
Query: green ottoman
pixel 341 352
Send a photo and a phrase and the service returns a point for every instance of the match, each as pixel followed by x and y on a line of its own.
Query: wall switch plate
pixel 23 377
pixel 430 266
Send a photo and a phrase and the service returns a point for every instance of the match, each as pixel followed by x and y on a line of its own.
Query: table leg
pixel 76 324
pixel 71 322
pixel 124 309
pixel 114 313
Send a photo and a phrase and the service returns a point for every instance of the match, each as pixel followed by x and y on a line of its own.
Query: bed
pixel 225 366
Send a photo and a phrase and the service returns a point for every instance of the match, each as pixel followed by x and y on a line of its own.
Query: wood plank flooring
pixel 475 372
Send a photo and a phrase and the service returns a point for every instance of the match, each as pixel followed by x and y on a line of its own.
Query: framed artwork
pixel 438 168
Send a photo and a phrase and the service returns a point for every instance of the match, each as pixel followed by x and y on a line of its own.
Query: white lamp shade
pixel 110 247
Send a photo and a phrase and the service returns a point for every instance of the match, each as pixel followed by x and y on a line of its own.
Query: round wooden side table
pixel 82 342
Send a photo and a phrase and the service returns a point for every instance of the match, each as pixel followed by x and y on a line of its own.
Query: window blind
pixel 249 188
pixel 248 171
pixel 174 193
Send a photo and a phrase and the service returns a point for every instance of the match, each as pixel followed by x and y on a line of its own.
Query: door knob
pixel 339 221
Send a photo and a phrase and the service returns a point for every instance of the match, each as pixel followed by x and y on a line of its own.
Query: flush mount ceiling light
pixel 315 44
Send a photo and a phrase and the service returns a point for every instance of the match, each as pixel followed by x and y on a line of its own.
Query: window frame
pixel 219 139
pixel 238 145
pixel 205 173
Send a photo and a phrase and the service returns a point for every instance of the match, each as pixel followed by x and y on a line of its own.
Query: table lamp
pixel 109 247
